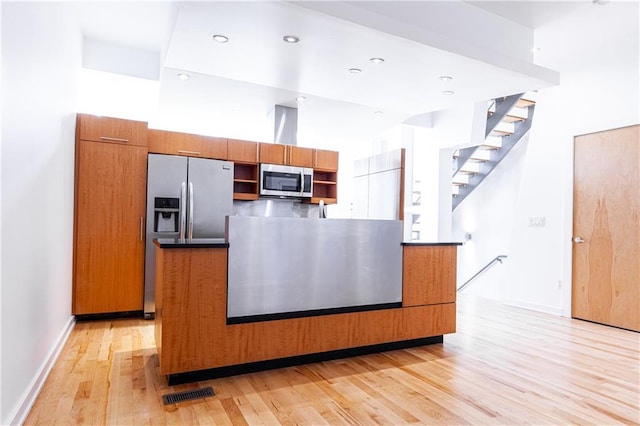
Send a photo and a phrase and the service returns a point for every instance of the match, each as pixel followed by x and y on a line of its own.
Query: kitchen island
pixel 196 338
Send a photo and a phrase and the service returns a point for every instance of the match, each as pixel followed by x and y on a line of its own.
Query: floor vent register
pixel 190 395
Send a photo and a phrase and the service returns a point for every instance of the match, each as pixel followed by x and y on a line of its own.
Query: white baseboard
pixel 30 395
pixel 553 310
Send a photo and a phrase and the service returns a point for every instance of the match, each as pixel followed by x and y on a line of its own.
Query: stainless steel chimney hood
pixel 285 125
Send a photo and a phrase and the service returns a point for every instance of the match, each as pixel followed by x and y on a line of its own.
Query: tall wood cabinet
pixel 110 194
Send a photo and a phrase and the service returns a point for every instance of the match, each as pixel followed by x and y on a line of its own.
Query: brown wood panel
pixel 299 156
pixel 606 267
pixel 187 144
pixel 195 334
pixel 109 231
pixel 242 151
pixel 108 129
pixel 272 153
pixel 428 275
pixel 325 160
pixel 191 306
pixel 215 147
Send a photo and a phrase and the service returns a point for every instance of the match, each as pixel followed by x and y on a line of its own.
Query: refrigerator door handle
pixel 190 231
pixel 301 183
pixel 183 209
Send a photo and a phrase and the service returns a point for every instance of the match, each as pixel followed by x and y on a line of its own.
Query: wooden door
pixel 299 156
pixel 606 217
pixel 272 153
pixel 110 210
pixel 242 151
pixel 325 160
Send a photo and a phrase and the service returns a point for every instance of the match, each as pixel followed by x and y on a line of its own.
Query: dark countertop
pixel 418 243
pixel 168 243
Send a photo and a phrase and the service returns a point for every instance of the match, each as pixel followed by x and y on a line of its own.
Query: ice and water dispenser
pixel 166 214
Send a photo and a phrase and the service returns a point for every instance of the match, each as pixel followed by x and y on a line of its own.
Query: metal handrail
pixel 497 259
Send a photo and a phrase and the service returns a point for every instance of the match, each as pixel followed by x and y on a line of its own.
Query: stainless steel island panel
pixel 279 265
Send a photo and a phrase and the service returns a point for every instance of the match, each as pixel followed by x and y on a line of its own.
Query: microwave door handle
pixel 183 209
pixel 301 183
pixel 190 232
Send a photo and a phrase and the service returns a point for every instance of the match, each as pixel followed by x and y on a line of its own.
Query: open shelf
pixel 325 187
pixel 245 181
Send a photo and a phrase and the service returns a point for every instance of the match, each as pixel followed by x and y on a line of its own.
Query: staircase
pixel 508 120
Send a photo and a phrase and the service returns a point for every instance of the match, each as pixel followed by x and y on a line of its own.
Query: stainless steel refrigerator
pixel 186 198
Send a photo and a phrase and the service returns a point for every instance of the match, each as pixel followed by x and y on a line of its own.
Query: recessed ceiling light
pixel 355 70
pixel 376 60
pixel 220 38
pixel 300 99
pixel 378 113
pixel 184 77
pixel 446 78
pixel 291 39
pixel 600 2
pixel 448 92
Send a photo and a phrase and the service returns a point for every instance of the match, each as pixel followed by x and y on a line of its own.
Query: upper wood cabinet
pixel 271 153
pixel 108 129
pixel 288 155
pixel 299 156
pixel 110 197
pixel 165 142
pixel 325 160
pixel 243 151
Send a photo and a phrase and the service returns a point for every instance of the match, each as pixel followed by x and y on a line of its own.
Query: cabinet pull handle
pixel 257 152
pixel 141 228
pixel 284 155
pixel 107 138
pixel 181 151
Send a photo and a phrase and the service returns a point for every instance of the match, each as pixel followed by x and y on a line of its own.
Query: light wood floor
pixel 503 366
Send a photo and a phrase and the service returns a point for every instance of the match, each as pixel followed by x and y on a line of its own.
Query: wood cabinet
pixel 243 151
pixel 245 155
pixel 325 160
pixel 108 129
pixel 299 156
pixel 191 328
pixel 325 176
pixel 288 155
pixel 429 274
pixel 110 196
pixel 271 153
pixel 175 143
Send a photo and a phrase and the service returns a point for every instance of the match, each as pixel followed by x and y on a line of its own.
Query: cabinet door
pixel 214 147
pixel 114 130
pixel 176 143
pixel 325 160
pixel 242 151
pixel 109 232
pixel 298 156
pixel 271 153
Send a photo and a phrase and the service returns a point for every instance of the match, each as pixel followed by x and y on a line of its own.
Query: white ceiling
pixel 234 86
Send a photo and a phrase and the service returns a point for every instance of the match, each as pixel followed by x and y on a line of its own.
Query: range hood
pixel 285 125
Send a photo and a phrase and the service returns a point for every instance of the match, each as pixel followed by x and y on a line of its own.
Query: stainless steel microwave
pixel 286 181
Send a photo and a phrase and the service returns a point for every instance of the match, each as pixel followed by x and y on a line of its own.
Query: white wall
pixel 41 53
pixel 488 215
pixel 599 90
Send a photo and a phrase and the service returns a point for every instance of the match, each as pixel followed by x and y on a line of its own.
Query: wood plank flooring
pixel 504 366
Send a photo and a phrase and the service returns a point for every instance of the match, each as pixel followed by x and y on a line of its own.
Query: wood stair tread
pixel 523 103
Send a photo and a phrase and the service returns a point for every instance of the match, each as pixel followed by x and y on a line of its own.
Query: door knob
pixel 578 240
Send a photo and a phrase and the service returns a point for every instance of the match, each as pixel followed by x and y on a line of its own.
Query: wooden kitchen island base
pixel 192 334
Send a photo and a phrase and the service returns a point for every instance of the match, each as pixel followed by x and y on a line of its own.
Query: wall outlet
pixel 537 222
